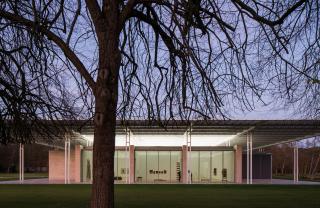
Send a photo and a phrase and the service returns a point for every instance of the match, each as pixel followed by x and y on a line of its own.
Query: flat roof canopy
pixel 265 132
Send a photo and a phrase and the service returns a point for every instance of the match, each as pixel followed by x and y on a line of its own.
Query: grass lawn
pixel 15 176
pixel 164 196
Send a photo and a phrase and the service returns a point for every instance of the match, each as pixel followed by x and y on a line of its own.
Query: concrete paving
pixel 282 181
pixel 33 181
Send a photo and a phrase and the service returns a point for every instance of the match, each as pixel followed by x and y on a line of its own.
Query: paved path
pixel 33 181
pixel 282 181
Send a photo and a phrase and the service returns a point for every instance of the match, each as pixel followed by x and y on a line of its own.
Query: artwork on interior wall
pixel 224 174
pixel 124 170
pixel 157 171
pixel 214 171
pixel 178 171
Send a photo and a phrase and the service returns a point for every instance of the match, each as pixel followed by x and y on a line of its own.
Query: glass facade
pixel 166 166
pixel 212 166
pixel 121 169
pixel 157 166
pixel 120 166
pixel 86 167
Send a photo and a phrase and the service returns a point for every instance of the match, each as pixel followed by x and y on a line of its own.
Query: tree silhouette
pixel 147 59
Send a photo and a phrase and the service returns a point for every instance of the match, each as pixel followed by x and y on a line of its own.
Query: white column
pixel 188 140
pixel 251 137
pixel 21 163
pixel 67 160
pixel 296 163
pixel 248 169
pixel 127 150
pixel 249 158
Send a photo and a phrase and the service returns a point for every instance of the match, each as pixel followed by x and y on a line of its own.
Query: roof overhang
pixel 265 132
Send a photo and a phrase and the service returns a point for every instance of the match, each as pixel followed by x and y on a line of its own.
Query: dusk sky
pixel 267 112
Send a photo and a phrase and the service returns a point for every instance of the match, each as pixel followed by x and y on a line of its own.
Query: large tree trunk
pixel 106 95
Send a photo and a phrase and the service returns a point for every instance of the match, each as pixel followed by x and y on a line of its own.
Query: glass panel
pixel 152 166
pixel 122 166
pixel 176 171
pixel 216 166
pixel 140 166
pixel 194 166
pixel 115 167
pixel 164 166
pixel 86 165
pixel 228 166
pixel 204 166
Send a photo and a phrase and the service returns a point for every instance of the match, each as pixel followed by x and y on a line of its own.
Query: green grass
pixel 15 176
pixel 164 196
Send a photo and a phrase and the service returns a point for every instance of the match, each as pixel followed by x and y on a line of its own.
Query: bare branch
pixel 51 36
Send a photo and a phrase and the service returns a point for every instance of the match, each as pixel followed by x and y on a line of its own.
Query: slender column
pixel 69 151
pixel 238 164
pixel 296 164
pixel 184 164
pixel 131 167
pixel 67 160
pixel 189 144
pixel 77 163
pixel 249 158
pixel 21 163
pixel 271 168
pixel 127 150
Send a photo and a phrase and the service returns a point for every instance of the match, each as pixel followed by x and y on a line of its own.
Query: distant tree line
pixel 36 158
pixel 309 159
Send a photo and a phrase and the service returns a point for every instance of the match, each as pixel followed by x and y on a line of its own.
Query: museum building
pixel 220 151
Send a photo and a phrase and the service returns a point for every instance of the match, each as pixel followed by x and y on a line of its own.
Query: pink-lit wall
pixel 238 164
pixel 57 165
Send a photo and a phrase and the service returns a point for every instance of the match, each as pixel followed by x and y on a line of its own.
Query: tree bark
pixel 106 96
